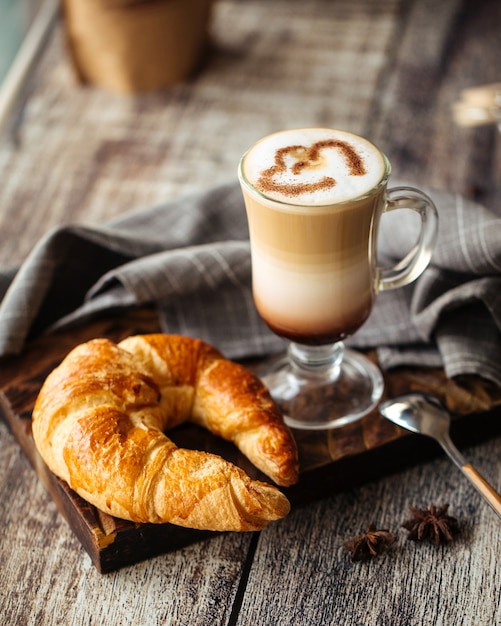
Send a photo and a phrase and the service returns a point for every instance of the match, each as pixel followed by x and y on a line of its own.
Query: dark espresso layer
pixel 320 338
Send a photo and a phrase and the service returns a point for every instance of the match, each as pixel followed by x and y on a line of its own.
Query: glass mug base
pixel 324 387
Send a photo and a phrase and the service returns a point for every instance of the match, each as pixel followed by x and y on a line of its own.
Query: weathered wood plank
pixel 440 50
pixel 453 585
pixel 48 579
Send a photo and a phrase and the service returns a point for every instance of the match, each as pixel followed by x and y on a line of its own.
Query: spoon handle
pixel 486 490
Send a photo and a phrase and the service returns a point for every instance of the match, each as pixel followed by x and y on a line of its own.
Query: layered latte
pixel 313 199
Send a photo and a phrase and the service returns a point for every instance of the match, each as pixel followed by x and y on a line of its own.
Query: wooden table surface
pixel 389 70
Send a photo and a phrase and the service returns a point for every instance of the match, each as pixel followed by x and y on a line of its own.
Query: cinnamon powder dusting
pixel 308 158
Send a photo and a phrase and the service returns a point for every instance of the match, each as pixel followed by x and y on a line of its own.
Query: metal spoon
pixel 425 415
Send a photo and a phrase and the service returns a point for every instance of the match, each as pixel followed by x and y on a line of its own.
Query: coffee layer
pixel 313 307
pixel 314 272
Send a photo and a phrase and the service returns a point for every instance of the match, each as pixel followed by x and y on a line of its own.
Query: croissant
pixel 99 423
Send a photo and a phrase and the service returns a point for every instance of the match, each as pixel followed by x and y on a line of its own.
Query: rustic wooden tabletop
pixel 389 70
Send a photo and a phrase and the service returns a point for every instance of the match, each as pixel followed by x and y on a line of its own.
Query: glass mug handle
pixel 417 260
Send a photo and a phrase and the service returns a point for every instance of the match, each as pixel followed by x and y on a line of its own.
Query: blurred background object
pixel 16 17
pixel 136 45
pixel 24 27
pixel 479 106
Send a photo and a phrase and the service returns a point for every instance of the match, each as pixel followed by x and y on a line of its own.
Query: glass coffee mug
pixel 314 199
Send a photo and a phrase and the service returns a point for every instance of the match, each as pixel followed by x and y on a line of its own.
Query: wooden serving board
pixel 330 461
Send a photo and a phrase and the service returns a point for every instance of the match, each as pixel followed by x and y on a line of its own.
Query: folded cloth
pixel 190 258
pixel 450 316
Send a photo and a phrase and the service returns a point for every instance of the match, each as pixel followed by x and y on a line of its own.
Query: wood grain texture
pixel 439 51
pixel 450 585
pixel 390 70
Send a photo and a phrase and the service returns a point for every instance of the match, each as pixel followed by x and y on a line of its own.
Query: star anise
pixel 432 524
pixel 370 544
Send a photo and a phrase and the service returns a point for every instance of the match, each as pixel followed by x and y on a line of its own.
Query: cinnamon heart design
pixel 307 158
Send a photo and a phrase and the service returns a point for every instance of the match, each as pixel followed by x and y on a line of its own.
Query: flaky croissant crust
pixel 100 418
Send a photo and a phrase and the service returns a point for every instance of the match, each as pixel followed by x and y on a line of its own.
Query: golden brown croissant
pixel 98 423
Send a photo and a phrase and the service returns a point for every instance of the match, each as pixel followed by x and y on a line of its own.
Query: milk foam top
pixel 314 166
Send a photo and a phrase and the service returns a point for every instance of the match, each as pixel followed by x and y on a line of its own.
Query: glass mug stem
pixel 316 361
pixel 417 259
